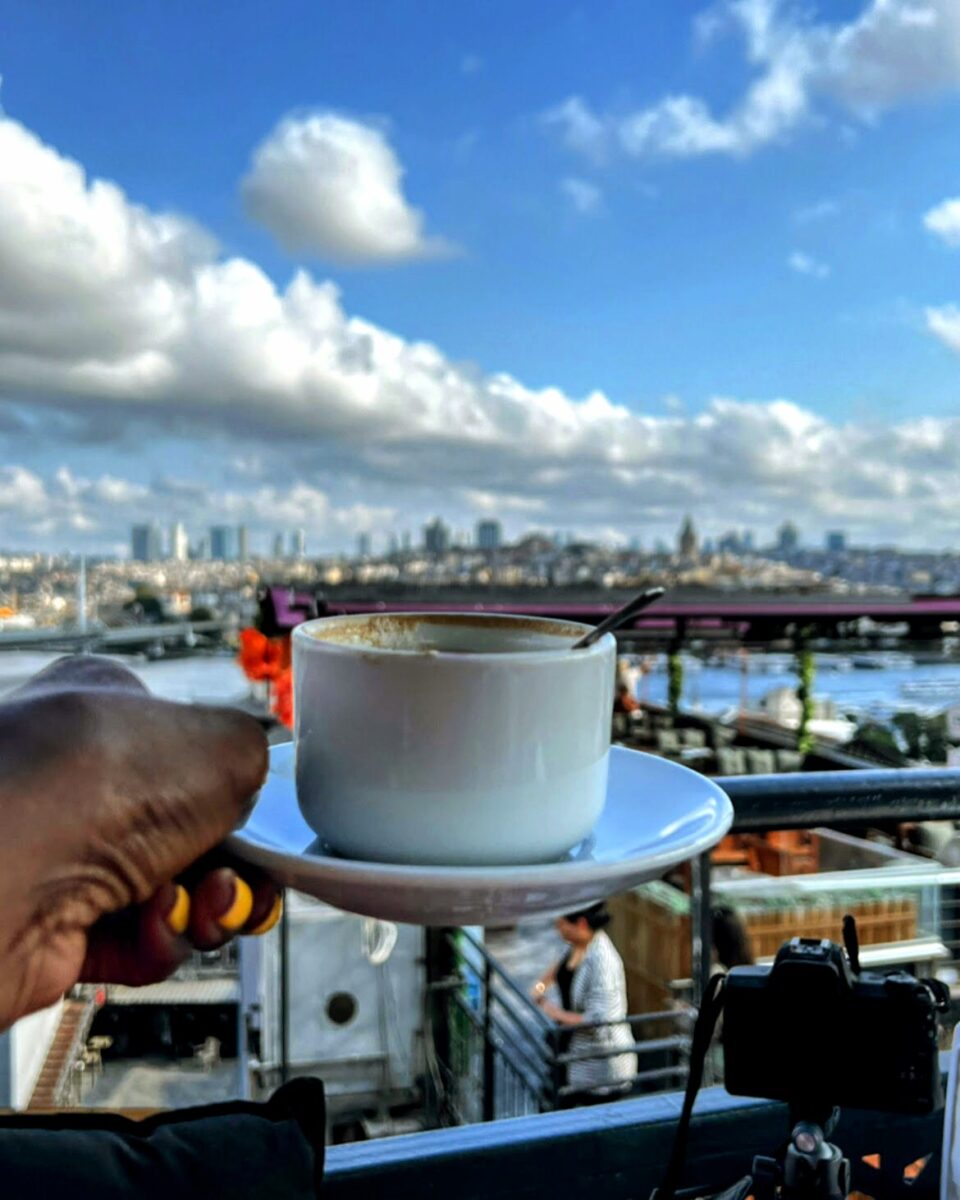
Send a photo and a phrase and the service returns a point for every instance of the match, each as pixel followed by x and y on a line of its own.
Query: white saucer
pixel 657 814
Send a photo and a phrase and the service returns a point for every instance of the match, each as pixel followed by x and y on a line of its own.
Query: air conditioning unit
pixel 354 1004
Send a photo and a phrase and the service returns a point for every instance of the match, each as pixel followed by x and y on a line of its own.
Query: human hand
pixel 107 795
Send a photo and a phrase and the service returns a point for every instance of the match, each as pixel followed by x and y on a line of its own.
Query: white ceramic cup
pixel 451 738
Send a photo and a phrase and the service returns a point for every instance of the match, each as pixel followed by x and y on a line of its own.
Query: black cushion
pixel 238 1149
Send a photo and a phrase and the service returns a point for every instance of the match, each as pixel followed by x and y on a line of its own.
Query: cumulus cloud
pixel 117 317
pixel 736 461
pixel 806 264
pixel 944 221
pixel 332 187
pixel 64 506
pixel 893 50
pixel 944 323
pixel 585 197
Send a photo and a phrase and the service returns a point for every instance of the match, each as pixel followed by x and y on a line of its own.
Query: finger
pixel 267 903
pixel 86 671
pixel 221 905
pixel 141 944
pixel 272 918
pixel 193 772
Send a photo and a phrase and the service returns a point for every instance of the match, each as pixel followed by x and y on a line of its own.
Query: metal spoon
pixel 620 617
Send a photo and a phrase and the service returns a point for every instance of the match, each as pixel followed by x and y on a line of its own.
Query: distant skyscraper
pixel 363 545
pixel 405 541
pixel 223 543
pixel 146 543
pixel 489 535
pixel 788 538
pixel 243 543
pixel 393 545
pixel 298 544
pixel 278 546
pixel 179 542
pixel 836 541
pixel 436 537
pixel 687 541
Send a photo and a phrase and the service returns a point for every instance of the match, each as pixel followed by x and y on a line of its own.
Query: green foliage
pixel 674 680
pixel 201 613
pixel 806 670
pixel 924 738
pixel 875 740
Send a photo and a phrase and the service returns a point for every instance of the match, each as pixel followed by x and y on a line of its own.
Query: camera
pixel 815 1031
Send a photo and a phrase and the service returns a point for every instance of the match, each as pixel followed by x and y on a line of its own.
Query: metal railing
pixel 839 800
pixel 499 1055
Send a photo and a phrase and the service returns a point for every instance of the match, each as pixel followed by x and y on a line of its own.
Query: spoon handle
pixel 620 617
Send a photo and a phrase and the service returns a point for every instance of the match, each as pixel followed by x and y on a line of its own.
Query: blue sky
pixel 713 214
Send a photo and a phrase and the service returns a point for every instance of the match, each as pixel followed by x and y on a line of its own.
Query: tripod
pixel 810 1166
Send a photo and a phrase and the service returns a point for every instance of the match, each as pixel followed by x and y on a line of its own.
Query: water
pixel 212 679
pixel 715 689
pixel 709 688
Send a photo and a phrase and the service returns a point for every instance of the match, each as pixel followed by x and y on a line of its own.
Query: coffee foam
pixel 427 632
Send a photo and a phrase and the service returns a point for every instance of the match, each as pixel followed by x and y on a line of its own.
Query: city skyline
pixel 149 543
pixel 177 542
pixel 591 271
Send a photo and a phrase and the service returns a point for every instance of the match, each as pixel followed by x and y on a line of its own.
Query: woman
pixel 592 989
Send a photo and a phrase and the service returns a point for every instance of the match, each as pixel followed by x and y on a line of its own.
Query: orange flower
pixel 262 657
pixel 283 697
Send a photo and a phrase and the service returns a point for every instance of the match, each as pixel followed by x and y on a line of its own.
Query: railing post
pixel 489 1065
pixel 557 1068
pixel 701 925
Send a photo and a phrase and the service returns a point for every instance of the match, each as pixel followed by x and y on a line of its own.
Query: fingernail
pixel 179 915
pixel 239 911
pixel 272 917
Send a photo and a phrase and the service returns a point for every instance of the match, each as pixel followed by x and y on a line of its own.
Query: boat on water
pixel 883 660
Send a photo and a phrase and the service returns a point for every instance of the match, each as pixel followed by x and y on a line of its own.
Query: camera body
pixel 811 1031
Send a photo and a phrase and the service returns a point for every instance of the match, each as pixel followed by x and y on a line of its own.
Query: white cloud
pixel 117 316
pixel 585 197
pixel 944 220
pixel 818 211
pixel 944 323
pixel 894 50
pixel 64 507
pixel 330 186
pixel 582 130
pixel 805 264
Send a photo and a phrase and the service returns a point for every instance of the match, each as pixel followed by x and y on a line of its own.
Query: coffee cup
pixel 451 738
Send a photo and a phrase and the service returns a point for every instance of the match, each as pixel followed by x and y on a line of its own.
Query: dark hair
pixel 596 916
pixel 731 942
